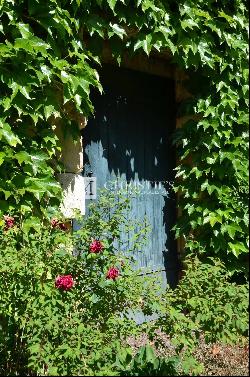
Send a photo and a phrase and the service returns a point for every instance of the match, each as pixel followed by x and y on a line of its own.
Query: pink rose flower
pixel 64 282
pixel 112 273
pixel 96 246
pixel 54 223
pixel 9 222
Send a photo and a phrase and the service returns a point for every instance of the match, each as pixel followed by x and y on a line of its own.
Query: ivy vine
pixel 49 58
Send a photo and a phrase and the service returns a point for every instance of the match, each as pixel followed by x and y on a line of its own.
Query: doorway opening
pixel 129 141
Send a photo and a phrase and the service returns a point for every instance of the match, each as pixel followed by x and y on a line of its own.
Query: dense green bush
pixel 146 363
pixel 205 303
pixel 66 300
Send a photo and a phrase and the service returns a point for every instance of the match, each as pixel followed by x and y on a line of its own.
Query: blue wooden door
pixel 129 140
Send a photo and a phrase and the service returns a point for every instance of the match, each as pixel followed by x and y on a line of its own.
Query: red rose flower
pixel 64 282
pixel 112 273
pixel 9 222
pixel 96 246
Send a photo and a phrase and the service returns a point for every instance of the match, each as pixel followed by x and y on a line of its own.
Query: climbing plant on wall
pixel 49 58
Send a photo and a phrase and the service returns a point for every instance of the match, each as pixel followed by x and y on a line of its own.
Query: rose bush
pixel 66 299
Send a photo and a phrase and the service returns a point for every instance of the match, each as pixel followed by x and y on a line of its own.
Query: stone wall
pixel 71 156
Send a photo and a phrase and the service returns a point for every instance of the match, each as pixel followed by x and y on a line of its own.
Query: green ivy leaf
pixel 7 134
pixel 237 248
pixel 22 157
pixel 117 30
pixel 2 157
pixel 212 218
pixel 145 44
pixel 112 4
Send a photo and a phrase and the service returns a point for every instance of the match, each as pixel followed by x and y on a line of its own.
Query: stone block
pixel 73 194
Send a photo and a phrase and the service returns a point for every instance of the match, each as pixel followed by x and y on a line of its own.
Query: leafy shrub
pixel 205 302
pixel 62 310
pixel 66 299
pixel 146 363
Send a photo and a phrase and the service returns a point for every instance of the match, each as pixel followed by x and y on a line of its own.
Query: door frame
pixel 158 64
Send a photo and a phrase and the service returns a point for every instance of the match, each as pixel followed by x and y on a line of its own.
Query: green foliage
pixel 146 363
pixel 49 331
pixel 48 51
pixel 83 330
pixel 205 303
pixel 42 69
